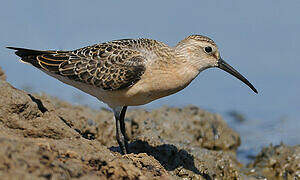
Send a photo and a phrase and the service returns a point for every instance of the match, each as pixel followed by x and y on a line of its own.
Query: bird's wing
pixel 110 66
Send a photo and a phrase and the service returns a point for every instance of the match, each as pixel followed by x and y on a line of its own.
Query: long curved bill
pixel 226 67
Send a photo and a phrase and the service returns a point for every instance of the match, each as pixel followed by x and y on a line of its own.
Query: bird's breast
pixel 156 83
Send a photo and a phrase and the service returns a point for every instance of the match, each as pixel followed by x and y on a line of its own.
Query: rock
pixel 36 142
pixel 197 132
pixel 42 137
pixel 190 126
pixel 277 162
pixel 194 126
pixel 29 116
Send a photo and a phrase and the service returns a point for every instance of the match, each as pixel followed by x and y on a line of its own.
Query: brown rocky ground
pixel 277 162
pixel 44 138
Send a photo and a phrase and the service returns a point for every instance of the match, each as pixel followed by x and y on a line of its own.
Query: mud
pixel 277 162
pixel 42 137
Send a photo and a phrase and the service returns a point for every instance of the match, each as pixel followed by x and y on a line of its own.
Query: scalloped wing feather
pixel 110 66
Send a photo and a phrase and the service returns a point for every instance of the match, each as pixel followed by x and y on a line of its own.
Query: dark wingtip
pixel 14 48
pixel 22 52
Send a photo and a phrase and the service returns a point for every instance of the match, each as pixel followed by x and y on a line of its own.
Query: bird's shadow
pixel 169 156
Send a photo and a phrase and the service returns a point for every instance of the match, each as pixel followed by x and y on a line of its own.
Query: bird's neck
pixel 176 73
pixel 186 72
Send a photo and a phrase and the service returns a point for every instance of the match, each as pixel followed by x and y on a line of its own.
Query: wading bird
pixel 130 72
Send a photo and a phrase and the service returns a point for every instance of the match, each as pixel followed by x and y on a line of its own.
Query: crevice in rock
pixel 67 123
pixel 39 103
pixel 86 134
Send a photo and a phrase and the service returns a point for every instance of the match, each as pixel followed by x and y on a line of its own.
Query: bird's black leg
pixel 123 127
pixel 122 137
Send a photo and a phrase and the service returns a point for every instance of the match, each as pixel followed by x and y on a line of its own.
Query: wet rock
pixel 193 126
pixel 277 162
pixel 190 126
pixel 189 162
pixel 42 137
pixel 30 116
pixel 65 159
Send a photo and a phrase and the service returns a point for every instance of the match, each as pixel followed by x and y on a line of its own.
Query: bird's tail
pixel 29 55
pixel 22 52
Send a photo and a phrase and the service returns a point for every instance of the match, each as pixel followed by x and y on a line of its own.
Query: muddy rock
pixel 37 143
pixel 28 116
pixel 42 137
pixel 197 134
pixel 187 126
pixel 277 162
pixel 190 125
pixel 45 138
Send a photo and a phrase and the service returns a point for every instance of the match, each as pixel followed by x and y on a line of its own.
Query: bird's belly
pixel 133 96
pixel 147 90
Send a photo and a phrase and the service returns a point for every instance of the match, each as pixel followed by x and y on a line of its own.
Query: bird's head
pixel 201 52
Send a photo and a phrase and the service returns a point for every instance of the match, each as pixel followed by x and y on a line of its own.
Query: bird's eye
pixel 208 49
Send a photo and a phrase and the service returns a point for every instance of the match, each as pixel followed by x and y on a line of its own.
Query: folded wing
pixel 107 66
